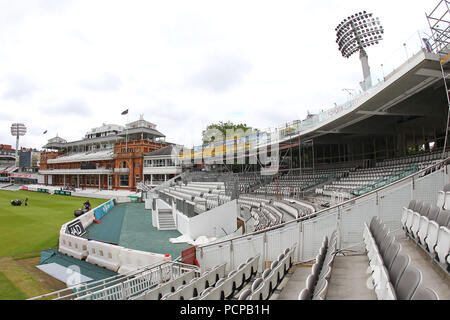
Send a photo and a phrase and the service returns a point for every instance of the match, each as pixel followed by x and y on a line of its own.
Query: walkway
pixel 433 276
pixel 350 279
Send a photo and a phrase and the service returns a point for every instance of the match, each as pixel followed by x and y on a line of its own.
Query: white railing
pixel 347 218
pixel 122 287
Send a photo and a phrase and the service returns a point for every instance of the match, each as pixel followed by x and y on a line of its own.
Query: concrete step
pixel 166 222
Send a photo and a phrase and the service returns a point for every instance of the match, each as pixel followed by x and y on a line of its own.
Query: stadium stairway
pixel 165 220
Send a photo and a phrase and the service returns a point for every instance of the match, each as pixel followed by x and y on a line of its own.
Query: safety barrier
pixel 104 255
pixel 73 246
pixel 133 259
pixel 115 258
pixel 103 209
pixel 62 192
pixel 87 218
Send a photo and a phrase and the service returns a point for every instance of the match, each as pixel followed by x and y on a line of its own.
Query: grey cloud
pixel 221 73
pixel 18 87
pixel 187 31
pixel 73 107
pixel 80 36
pixel 17 11
pixel 53 5
pixel 105 82
pixel 5 117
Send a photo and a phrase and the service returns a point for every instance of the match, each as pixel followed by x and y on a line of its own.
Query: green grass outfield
pixel 35 227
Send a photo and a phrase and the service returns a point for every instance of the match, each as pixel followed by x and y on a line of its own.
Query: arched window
pixel 124 164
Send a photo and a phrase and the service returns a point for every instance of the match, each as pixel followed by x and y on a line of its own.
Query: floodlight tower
pixel 356 33
pixel 18 130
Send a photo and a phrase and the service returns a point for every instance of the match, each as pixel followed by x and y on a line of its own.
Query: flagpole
pixel 126 134
pixel 126 130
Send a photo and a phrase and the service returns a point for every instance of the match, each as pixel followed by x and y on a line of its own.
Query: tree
pixel 209 136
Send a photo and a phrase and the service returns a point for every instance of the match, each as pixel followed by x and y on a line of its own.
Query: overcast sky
pixel 69 66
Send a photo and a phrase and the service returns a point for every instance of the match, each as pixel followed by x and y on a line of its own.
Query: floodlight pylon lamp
pixel 356 33
pixel 18 130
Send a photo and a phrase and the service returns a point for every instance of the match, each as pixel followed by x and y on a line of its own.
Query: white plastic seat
pixel 389 293
pixel 217 292
pixel 404 216
pixel 304 294
pixel 321 289
pixel 443 245
pixel 257 287
pixel 432 236
pixel 167 288
pixel 441 199
pixel 446 205
pixel 284 261
pixel 371 246
pixel 239 277
pixel 424 293
pixel 278 270
pixel 408 283
pixel 204 294
pixel 325 273
pixel 415 224
pixel 381 283
pixel 367 237
pixel 375 261
pixel 409 220
pixel 254 262
pixel 423 230
pixel 270 283
pixel 245 295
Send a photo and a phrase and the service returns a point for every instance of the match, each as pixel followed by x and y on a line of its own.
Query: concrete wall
pixel 217 222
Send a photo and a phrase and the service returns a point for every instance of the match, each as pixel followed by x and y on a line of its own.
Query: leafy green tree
pixel 222 127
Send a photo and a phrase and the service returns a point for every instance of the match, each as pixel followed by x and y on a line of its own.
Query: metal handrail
pixel 101 284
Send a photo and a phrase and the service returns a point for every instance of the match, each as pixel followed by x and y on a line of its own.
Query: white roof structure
pixel 106 128
pixel 107 154
pixel 57 140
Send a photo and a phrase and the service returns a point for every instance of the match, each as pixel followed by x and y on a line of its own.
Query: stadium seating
pixel 264 286
pixel 428 226
pixel 359 181
pixel 204 195
pixel 294 183
pixel 393 276
pixel 165 289
pixel 228 285
pixel 317 282
pixel 188 286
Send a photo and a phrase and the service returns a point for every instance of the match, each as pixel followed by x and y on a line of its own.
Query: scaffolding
pixel 439 22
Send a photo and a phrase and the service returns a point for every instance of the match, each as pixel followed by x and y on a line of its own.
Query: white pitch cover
pixel 69 276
